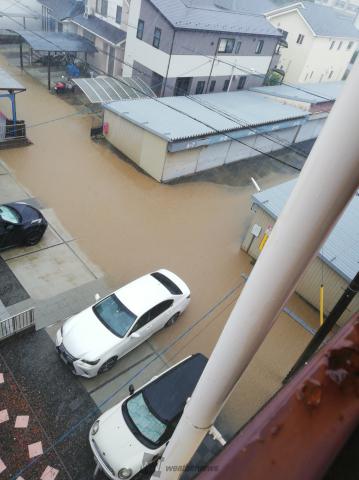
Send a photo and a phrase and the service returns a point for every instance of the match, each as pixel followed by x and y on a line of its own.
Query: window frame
pixel 119 8
pixel 332 45
pixel 212 86
pixel 139 32
pixel 227 40
pixel 238 47
pixel 199 90
pixel 259 47
pixel 350 45
pixel 300 39
pixel 226 85
pixel 156 37
pixel 242 79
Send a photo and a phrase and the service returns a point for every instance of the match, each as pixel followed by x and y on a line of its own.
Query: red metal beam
pixel 299 432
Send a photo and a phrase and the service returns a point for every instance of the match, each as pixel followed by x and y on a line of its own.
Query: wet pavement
pixel 127 225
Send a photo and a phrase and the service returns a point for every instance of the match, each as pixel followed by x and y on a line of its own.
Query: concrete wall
pixel 318 272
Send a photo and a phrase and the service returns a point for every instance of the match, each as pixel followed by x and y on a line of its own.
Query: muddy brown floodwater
pixel 129 224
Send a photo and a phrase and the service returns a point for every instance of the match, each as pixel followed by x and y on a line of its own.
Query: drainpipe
pixel 326 184
pixel 168 66
pixel 214 59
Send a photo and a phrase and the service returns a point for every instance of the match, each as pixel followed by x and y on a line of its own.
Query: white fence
pixel 18 323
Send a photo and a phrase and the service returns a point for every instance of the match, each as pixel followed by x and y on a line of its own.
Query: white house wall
pixel 310 130
pixel 180 164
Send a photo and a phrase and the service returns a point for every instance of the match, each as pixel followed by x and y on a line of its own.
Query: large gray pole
pixel 326 184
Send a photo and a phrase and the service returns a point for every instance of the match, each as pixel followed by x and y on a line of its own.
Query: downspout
pixel 168 66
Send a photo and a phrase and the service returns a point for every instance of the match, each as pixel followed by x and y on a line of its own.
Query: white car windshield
pixel 9 214
pixel 149 426
pixel 114 315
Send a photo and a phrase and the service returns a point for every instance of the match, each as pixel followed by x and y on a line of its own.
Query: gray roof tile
pixel 184 15
pixel 101 28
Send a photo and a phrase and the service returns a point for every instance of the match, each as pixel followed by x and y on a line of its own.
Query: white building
pixel 321 42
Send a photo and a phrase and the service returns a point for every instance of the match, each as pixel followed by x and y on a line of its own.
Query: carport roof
pixel 104 89
pixel 304 92
pixel 7 82
pixel 56 41
pixel 341 249
pixel 176 118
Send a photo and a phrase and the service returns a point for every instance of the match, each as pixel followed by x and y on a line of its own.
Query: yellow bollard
pixel 321 305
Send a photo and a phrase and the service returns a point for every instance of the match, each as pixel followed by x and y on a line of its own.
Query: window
pixel 241 82
pixel 340 45
pixel 114 315
pixel 101 7
pixel 157 38
pixel 330 74
pixel 140 28
pixel 226 85
pixel 8 214
pixel 200 87
pixel 350 44
pixel 300 39
pixel 160 308
pixel 306 77
pixel 226 45
pixel 283 32
pixel 312 73
pixel 331 45
pixel 141 322
pixel 166 282
pixel 212 85
pixel 118 14
pixel 238 46
pixel 259 47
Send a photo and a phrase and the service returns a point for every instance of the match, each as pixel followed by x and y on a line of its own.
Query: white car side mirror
pixel 97 297
pixel 135 335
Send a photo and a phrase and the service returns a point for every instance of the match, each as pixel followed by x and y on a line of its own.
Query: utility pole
pixel 327 326
pixel 326 184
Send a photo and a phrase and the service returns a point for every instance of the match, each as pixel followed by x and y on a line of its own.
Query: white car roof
pixel 142 294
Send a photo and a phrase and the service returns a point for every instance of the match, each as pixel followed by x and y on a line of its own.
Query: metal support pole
pixel 48 71
pixel 21 57
pixel 327 326
pixel 326 184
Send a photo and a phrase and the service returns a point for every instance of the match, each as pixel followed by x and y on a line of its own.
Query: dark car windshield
pixel 9 214
pixel 147 428
pixel 114 315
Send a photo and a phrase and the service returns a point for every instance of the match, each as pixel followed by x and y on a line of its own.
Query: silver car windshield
pixel 114 315
pixel 145 422
pixel 9 214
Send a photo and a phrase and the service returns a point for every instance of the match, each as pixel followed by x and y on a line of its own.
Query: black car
pixel 20 224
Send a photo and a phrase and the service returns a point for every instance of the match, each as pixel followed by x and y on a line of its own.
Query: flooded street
pixel 128 225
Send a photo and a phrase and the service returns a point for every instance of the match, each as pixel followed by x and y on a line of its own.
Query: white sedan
pixel 132 435
pixel 92 341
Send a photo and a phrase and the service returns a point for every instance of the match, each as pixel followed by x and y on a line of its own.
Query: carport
pixel 10 129
pixel 54 42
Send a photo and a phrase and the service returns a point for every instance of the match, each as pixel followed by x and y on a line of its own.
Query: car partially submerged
pixel 20 224
pixel 133 434
pixel 92 341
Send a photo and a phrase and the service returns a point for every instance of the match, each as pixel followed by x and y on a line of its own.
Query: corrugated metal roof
pixel 175 118
pixel 188 16
pixel 56 41
pixel 304 92
pixel 341 249
pixel 7 82
pixel 325 21
pixel 104 89
pixel 101 28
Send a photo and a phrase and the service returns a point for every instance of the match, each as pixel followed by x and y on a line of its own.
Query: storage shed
pixel 178 136
pixel 338 260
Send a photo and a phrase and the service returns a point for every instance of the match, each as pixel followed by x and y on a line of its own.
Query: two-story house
pixel 191 47
pixel 321 42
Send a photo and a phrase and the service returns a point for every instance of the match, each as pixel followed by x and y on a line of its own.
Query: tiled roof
pixel 101 28
pixel 185 14
pixel 341 249
pixel 62 9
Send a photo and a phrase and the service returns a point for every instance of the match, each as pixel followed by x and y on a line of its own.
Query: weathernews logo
pixel 149 459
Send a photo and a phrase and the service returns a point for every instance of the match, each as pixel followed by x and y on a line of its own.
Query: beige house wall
pixel 317 272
